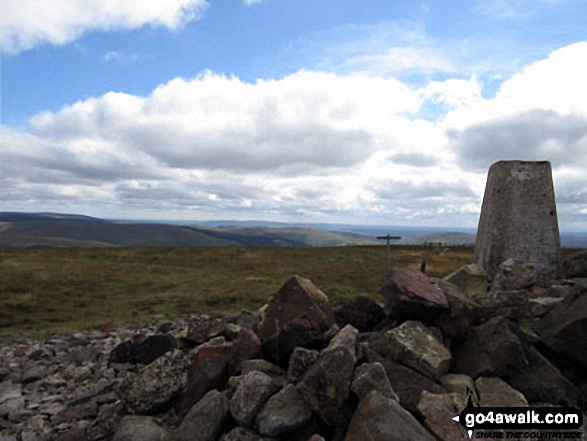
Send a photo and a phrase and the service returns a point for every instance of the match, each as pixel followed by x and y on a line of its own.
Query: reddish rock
pixel 212 375
pixel 298 315
pixel 206 351
pixel 410 294
pixel 246 346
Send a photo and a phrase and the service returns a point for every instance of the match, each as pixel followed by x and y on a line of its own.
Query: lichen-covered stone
pixel 284 412
pixel 155 384
pixel 251 393
pixel 414 345
pixel 326 385
pixel 206 419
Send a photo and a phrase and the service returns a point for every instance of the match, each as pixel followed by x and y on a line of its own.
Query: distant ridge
pixel 52 230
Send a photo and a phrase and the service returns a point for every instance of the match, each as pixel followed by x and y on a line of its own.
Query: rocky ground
pixel 300 370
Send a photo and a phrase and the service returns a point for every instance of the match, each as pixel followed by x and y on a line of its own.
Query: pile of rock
pixel 301 370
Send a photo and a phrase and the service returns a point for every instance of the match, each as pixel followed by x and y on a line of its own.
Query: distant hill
pixel 48 230
pixel 451 238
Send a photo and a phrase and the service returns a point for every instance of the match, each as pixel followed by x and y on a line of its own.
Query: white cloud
pixel 313 146
pixel 251 2
pixel 25 24
pixel 121 57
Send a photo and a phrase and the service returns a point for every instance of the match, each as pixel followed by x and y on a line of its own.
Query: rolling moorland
pixel 73 272
pixel 51 290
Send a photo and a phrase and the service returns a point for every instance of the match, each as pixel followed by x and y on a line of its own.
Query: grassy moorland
pixel 51 290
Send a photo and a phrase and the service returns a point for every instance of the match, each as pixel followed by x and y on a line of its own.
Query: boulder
pixel 346 338
pixel 456 321
pixel 246 346
pixel 206 419
pixel 284 412
pixel 251 393
pixel 414 345
pixel 141 428
pixel 299 362
pixel 326 385
pixel 563 329
pixel 470 279
pixel 410 294
pixel 369 377
pixel 510 304
pixel 438 411
pixel 154 385
pixel 363 313
pixel 378 418
pixel 494 392
pixel 298 315
pixel 217 346
pixel 212 375
pixel 406 383
pixel 460 384
pixel 154 347
pixel 542 382
pixel 492 349
pixel 575 265
pixel 514 275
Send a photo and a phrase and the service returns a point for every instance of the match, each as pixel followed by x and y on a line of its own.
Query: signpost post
pixel 388 238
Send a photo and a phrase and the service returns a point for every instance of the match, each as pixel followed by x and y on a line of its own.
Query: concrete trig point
pixel 388 238
pixel 518 219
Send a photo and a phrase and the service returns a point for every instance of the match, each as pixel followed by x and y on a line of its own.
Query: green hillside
pixel 45 230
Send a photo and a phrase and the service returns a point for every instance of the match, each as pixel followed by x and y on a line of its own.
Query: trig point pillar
pixel 518 219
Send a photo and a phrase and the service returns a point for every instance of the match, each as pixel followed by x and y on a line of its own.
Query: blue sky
pixel 379 112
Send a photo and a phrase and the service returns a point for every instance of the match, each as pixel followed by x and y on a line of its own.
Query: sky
pixel 372 112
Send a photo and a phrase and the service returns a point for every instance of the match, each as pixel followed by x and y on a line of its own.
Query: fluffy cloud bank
pixel 313 145
pixel 25 24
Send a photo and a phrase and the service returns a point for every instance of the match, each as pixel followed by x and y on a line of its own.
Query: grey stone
pixel 251 393
pixel 369 377
pixel 141 428
pixel 345 338
pixel 492 349
pixel 284 412
pixel 460 384
pixel 406 382
pixel 513 275
pixel 438 411
pixel 509 304
pixel 563 328
pixel 206 419
pixel 518 219
pixel 260 365
pixel 494 392
pixel 471 279
pixel 326 385
pixel 541 381
pixel 155 384
pixel 378 418
pixel 575 265
pixel 242 434
pixel 414 345
pixel 299 362
pixel 9 391
pixel 34 373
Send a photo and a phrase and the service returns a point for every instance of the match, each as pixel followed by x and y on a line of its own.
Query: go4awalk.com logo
pixel 521 422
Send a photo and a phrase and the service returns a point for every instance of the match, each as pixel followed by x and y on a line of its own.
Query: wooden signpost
pixel 388 238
